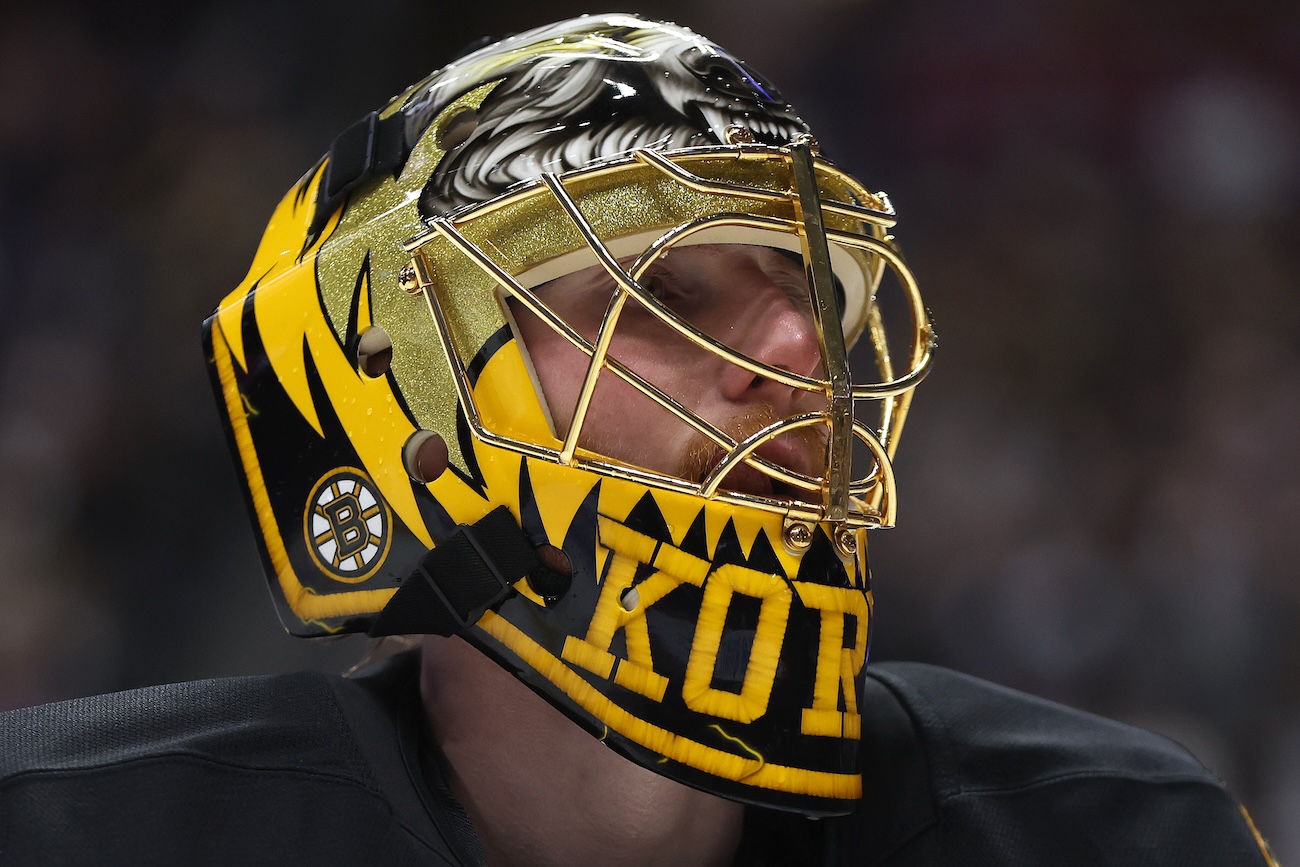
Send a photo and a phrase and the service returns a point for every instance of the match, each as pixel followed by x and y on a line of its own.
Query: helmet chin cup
pixel 405 472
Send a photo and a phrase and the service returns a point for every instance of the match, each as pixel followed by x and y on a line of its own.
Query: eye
pixel 789 275
pixel 658 285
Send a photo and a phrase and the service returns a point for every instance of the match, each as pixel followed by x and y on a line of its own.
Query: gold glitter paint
pixel 375 226
pixel 527 228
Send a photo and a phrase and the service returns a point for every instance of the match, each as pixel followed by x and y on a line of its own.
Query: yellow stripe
pixel 303 601
pixel 691 753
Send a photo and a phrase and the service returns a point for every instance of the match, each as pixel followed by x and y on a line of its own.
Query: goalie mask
pixel 682 574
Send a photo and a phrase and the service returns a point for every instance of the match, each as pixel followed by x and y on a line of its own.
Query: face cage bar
pixel 869 502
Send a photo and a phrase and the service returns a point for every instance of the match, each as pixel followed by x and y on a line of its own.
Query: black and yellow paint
pixel 691 638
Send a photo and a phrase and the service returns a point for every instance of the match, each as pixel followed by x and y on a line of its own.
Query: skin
pixel 540 790
pixel 752 299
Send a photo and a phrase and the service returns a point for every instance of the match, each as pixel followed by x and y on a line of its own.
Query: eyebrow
pixel 797 258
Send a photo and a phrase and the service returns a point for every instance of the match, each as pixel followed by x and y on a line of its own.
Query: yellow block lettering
pixel 629 549
pixel 760 672
pixel 837 666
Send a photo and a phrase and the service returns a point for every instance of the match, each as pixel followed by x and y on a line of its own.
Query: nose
pixel 777 330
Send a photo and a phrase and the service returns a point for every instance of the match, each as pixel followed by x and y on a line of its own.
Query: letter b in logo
pixel 347 526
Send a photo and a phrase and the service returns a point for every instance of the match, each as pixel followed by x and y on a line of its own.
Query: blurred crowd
pixel 1100 482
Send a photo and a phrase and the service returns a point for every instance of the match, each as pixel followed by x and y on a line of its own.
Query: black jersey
pixel 311 769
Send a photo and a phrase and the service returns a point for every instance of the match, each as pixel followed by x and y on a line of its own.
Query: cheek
pixel 667 361
pixel 620 418
pixel 560 367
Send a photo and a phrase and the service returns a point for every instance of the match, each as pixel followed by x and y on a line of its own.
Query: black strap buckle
pixel 471 571
pixel 366 149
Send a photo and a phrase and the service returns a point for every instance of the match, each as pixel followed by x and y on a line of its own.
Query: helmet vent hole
pixel 555 559
pixel 458 128
pixel 374 352
pixel 551 579
pixel 425 456
pixel 630 599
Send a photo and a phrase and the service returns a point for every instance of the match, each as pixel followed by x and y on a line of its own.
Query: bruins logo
pixel 347 526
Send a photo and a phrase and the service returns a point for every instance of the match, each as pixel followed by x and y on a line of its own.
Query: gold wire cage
pixel 800 208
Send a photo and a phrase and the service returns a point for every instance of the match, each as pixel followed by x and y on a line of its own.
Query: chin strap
pixel 471 571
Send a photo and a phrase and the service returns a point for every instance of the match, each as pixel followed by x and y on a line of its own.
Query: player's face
pixel 753 299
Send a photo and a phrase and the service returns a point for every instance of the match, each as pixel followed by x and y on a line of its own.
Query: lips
pixel 744 479
pixel 801 454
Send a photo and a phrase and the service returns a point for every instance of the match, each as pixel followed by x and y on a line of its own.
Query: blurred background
pixel 1100 480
